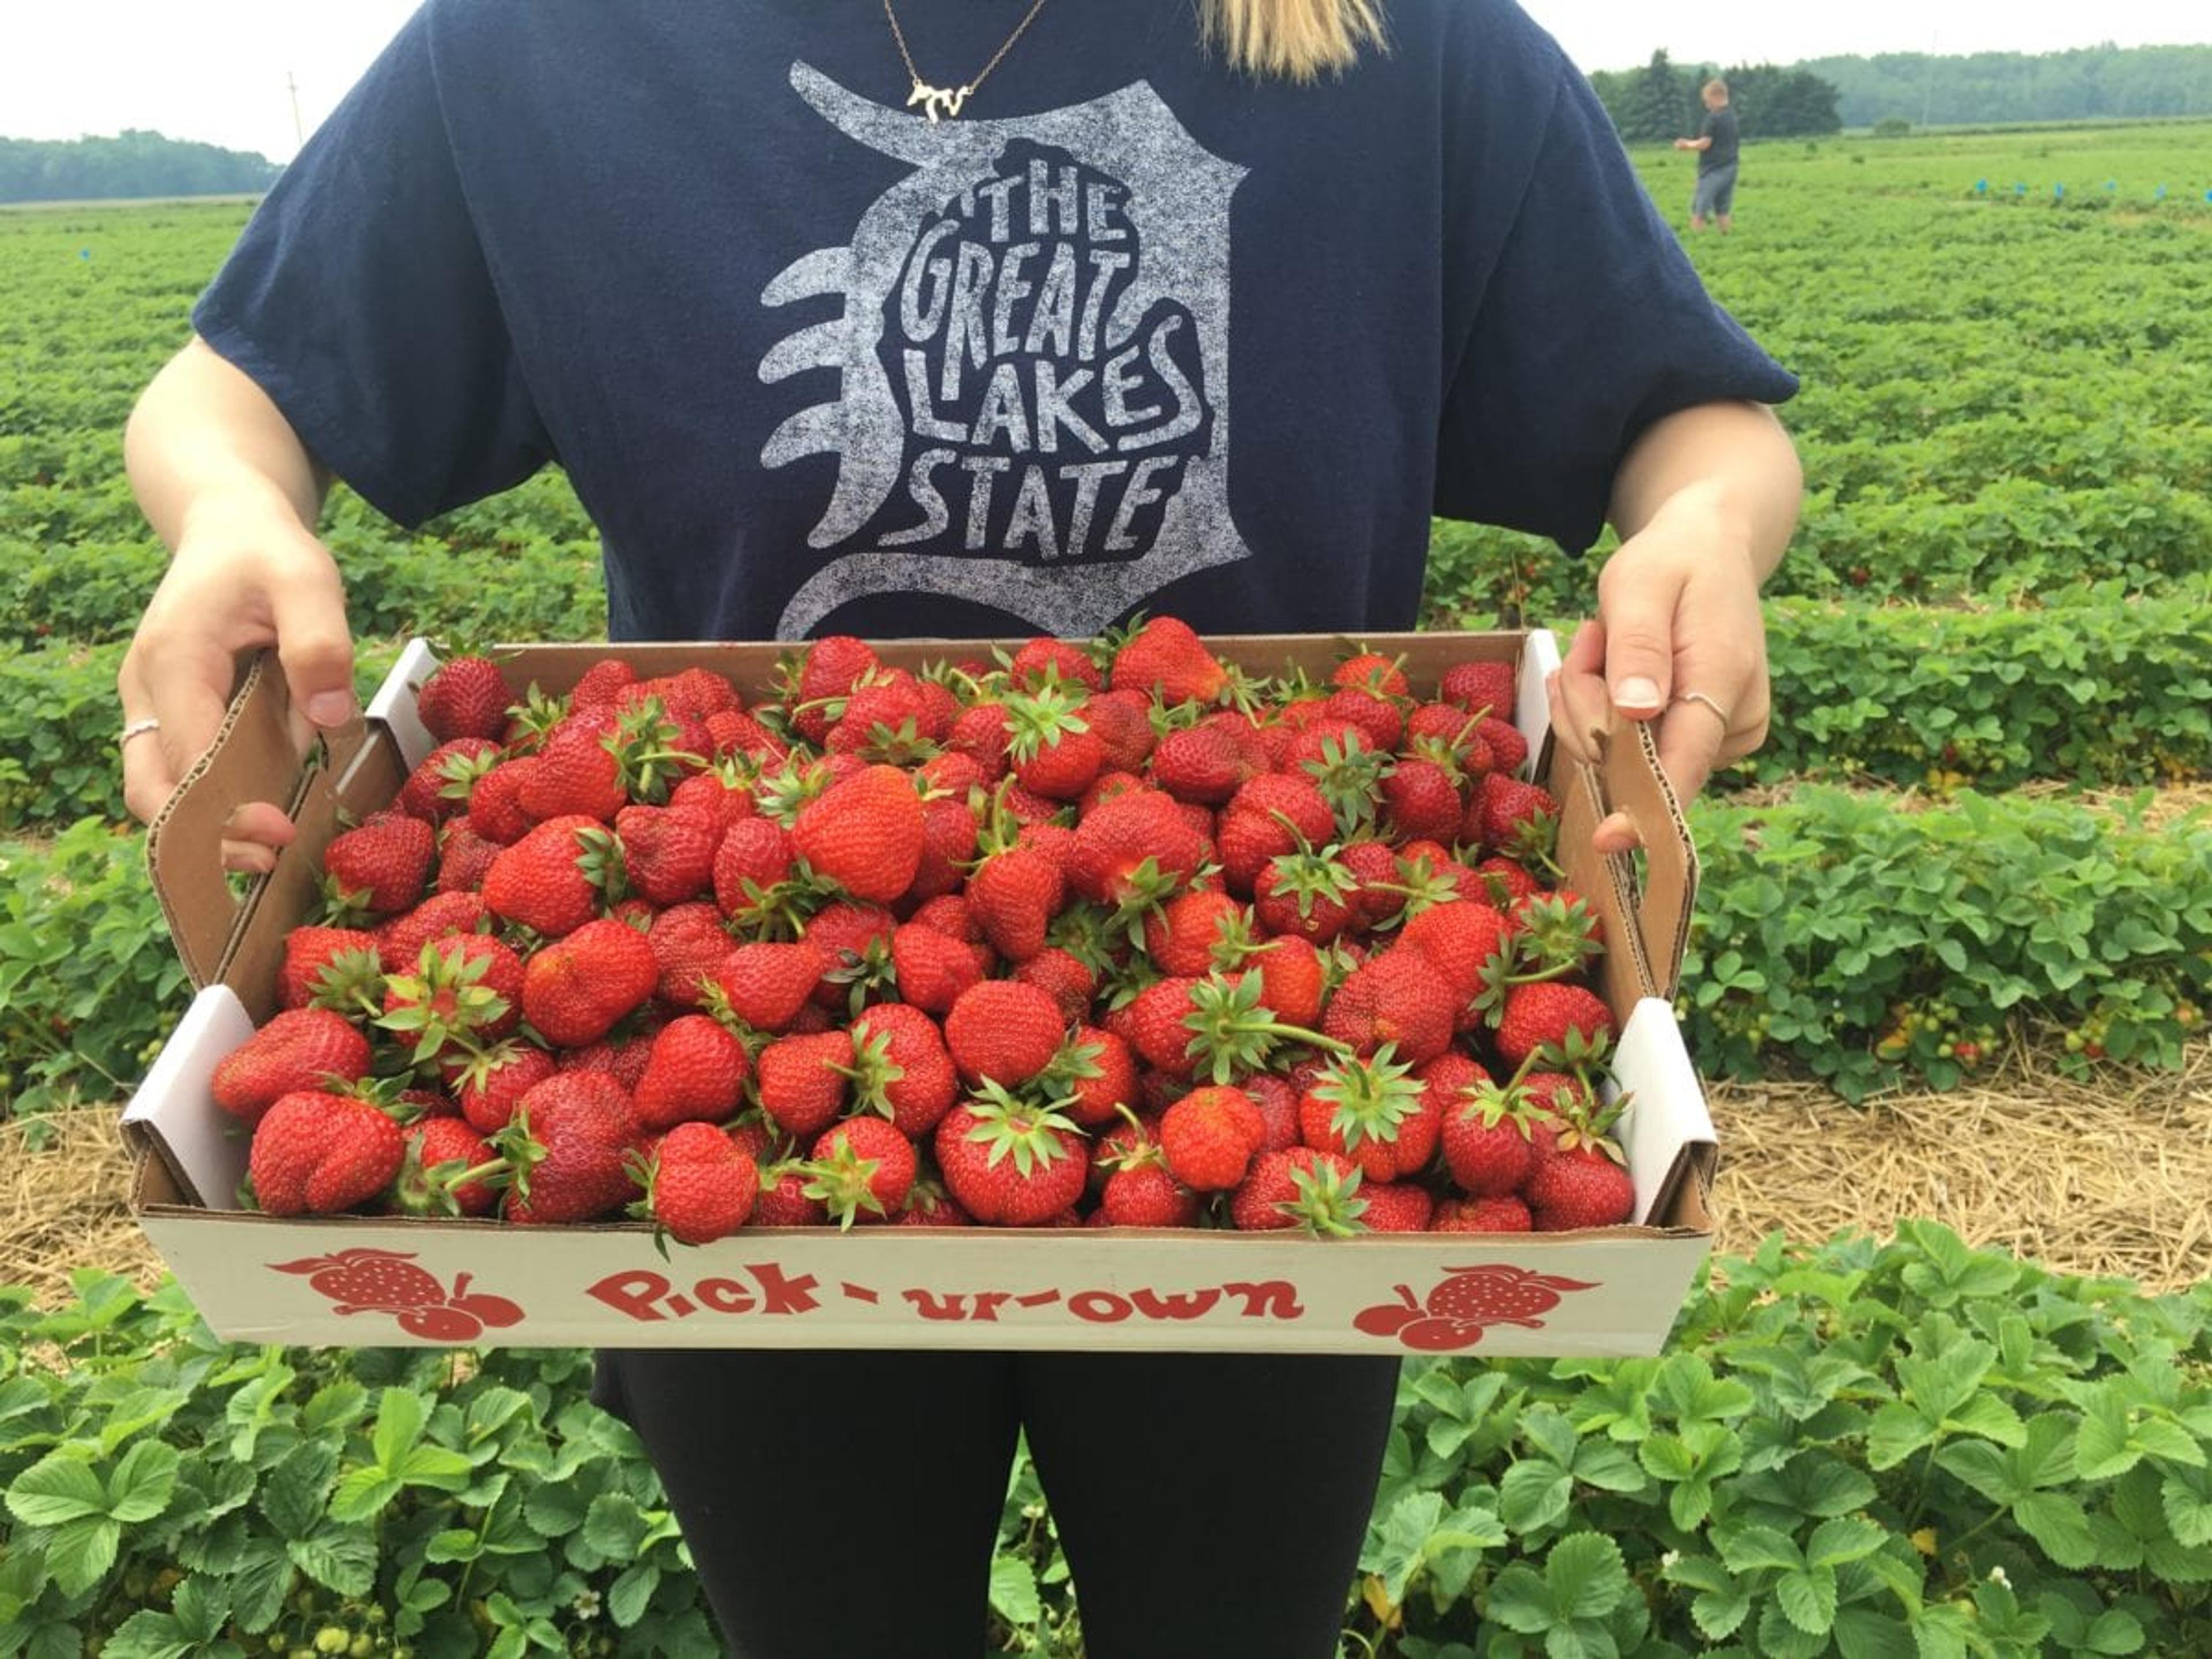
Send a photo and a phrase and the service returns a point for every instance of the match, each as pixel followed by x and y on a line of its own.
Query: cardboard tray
pixel 371 1281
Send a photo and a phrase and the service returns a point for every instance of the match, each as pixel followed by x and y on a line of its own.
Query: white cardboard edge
pixel 1666 1110
pixel 176 1100
pixel 1539 658
pixel 394 702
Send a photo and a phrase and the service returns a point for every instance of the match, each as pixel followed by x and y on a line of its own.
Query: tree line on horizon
pixel 132 163
pixel 1659 101
pixel 1650 105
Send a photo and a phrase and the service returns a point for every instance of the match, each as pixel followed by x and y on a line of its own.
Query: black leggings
pixel 842 1504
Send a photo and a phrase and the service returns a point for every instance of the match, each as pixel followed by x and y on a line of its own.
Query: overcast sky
pixel 220 71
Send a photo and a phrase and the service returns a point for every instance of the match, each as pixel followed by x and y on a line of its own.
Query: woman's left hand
pixel 1678 638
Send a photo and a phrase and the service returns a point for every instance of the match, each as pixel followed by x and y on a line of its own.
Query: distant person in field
pixel 1716 144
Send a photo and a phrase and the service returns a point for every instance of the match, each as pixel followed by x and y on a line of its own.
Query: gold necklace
pixel 934 99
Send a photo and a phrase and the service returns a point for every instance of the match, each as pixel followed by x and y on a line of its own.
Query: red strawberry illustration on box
pixel 362 1280
pixel 1465 1304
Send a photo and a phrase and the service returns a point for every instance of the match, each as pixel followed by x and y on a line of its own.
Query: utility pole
pixel 1927 80
pixel 299 132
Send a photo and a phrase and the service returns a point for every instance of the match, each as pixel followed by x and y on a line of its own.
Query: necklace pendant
pixel 934 99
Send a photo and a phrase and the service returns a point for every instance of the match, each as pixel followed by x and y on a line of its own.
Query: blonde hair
pixel 1716 85
pixel 1293 39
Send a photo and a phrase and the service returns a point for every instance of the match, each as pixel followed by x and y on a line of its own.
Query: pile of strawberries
pixel 1103 933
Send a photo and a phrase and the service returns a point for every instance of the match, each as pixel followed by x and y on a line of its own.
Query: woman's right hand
pixel 246 575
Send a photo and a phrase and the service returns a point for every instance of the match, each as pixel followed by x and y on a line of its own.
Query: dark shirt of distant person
pixel 1714 198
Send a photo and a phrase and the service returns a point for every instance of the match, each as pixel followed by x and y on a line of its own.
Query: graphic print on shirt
pixel 1033 407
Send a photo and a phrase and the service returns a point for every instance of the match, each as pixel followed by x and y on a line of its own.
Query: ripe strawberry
pixel 1371 671
pixel 1551 1015
pixel 801 1081
pixel 1479 687
pixel 783 1200
pixel 299 1048
pixel 949 836
pixel 855 942
pixel 1124 722
pixel 1396 1206
pixel 1579 1186
pixel 1376 717
pixel 1003 1031
pixel 577 774
pixel 1503 1214
pixel 576 988
pixel 668 855
pixel 496 800
pixel 1062 975
pixel 1045 659
pixel 1141 1191
pixel 901 1068
pixel 983 733
pixel 332 968
pixel 768 983
pixel 1508 749
pixel 602 685
pixel 1014 895
pixel 1305 895
pixel 1093 1076
pixel 1010 1163
pixel 865 834
pixel 1165 658
pixel 315 1153
pixel 689 943
pixel 567 1149
pixel 439 1151
pixel 1421 799
pixel 489 1085
pixel 1181 935
pixel 730 734
pixel 861 1169
pixel 553 880
pixel 399 941
pixel 1397 999
pixel 1488 1143
pixel 464 855
pixel 465 697
pixel 1509 816
pixel 439 786
pixel 1210 1136
pixel 380 867
pixel 833 665
pixel 932 968
pixel 1300 1187
pixel 753 862
pixel 1203 763
pixel 462 991
pixel 890 717
pixel 1134 850
pixel 696 1070
pixel 1374 1112
pixel 1458 940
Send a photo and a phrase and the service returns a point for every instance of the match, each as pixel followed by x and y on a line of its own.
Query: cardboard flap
pixel 260 739
pixel 1654 888
pixel 170 1115
pixel 1666 1129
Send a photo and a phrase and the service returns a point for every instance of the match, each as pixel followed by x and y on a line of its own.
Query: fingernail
pixel 1637 694
pixel 330 708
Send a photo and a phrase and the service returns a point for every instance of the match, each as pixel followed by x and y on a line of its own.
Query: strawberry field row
pixel 1864 1448
pixel 1838 937
pixel 1841 937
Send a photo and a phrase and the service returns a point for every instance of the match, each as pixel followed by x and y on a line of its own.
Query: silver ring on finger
pixel 1727 721
pixel 137 729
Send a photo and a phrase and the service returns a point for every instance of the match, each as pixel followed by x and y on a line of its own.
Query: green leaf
pixel 399 1416
pixel 60 1487
pixel 342 1558
pixel 1837 1541
pixel 1750 1549
pixel 362 1494
pixel 1808 1596
pixel 79 1552
pixel 2060 1528
pixel 1585 1574
pixel 1014 1592
pixel 1533 1495
pixel 631 1593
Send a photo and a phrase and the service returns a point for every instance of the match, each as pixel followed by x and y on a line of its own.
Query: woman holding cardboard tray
pixel 1205 316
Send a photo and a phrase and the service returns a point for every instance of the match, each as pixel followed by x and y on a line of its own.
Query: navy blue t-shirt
pixel 1136 331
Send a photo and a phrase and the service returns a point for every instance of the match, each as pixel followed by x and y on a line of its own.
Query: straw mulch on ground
pixel 2110 1178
